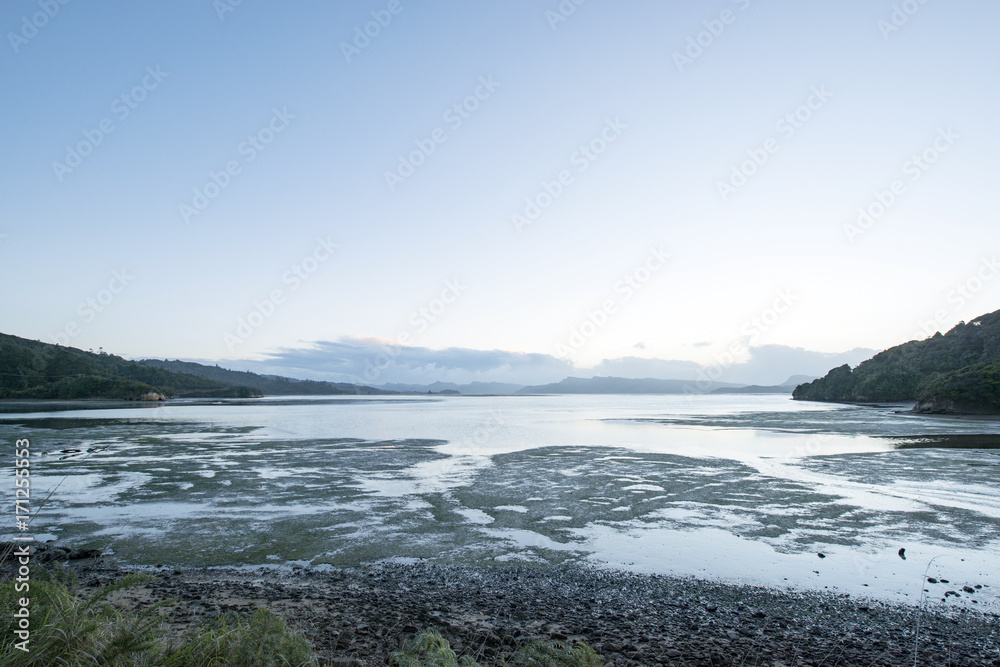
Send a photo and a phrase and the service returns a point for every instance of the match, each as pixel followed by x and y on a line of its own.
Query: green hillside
pixel 270 385
pixel 953 372
pixel 971 390
pixel 32 369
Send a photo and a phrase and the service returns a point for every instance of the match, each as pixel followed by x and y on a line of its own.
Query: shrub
pixel 71 630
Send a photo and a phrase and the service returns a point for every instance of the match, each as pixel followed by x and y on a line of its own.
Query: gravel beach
pixel 358 616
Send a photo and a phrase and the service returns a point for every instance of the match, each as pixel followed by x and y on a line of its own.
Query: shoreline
pixel 358 616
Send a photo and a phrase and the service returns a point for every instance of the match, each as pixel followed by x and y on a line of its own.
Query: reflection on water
pixel 737 487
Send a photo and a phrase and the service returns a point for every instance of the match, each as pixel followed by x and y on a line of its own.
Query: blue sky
pixel 803 112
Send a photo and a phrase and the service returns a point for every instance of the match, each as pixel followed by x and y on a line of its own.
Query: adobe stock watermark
pixel 20 551
pixel 223 7
pixel 31 25
pixel 454 116
pixel 381 18
pixel 122 107
pixel 248 149
pixel 562 12
pixel 786 126
pixel 420 320
pixel 582 158
pixel 714 29
pixel 750 332
pixel 913 170
pixel 88 310
pixel 899 17
pixel 960 295
pixel 495 423
pixel 623 290
pixel 292 279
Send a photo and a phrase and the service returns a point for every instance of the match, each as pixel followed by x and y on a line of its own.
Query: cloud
pixel 774 364
pixel 638 367
pixel 376 362
pixel 373 361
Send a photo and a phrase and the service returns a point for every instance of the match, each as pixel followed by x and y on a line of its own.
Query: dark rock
pixel 53 554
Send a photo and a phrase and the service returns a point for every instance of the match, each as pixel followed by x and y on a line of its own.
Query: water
pixel 737 488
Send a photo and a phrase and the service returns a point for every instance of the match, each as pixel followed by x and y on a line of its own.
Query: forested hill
pixel 955 372
pixel 270 385
pixel 32 369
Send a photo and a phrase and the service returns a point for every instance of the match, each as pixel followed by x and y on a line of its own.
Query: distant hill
pixel 796 380
pixel 269 385
pixel 784 388
pixel 954 372
pixel 613 385
pixel 32 369
pixel 470 389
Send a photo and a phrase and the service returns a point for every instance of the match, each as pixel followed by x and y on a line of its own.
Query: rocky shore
pixel 358 616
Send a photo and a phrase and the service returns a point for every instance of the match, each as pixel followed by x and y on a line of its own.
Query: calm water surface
pixel 742 488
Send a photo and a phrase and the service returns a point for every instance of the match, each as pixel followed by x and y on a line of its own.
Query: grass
pixel 71 629
pixel 264 639
pixel 430 649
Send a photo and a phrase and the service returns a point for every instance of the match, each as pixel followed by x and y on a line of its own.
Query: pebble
pixel 359 616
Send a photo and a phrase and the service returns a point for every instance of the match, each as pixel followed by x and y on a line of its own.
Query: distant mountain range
pixel 601 385
pixel 268 385
pixel 957 372
pixel 32 369
pixel 785 388
pixel 613 385
pixel 35 370
pixel 470 389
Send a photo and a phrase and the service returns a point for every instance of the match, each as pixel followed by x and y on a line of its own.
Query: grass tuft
pixel 263 640
pixel 68 629
pixel 72 630
pixel 430 649
pixel 555 654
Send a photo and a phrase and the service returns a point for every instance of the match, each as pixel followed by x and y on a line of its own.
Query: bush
pixel 71 630
pixel 263 640
pixel 77 630
pixel 430 649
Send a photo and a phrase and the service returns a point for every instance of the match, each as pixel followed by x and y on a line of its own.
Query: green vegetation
pixel 973 389
pixel 270 385
pixel 72 630
pixel 954 372
pixel 31 369
pixel 430 649
pixel 263 640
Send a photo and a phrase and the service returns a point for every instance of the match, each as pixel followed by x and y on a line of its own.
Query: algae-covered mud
pixel 753 489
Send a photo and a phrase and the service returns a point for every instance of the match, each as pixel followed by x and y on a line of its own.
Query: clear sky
pixel 170 169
